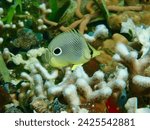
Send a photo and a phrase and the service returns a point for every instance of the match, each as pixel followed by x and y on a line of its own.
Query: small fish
pixel 69 48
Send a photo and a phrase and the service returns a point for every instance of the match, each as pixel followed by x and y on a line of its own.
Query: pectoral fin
pixel 75 66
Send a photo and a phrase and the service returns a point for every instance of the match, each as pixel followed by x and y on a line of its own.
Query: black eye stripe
pixel 91 51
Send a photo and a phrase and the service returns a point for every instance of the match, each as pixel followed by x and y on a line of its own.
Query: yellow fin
pixel 95 52
pixel 75 66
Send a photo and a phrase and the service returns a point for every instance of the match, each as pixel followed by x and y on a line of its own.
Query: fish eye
pixel 57 51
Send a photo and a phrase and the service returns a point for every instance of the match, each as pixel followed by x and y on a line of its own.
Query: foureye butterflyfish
pixel 69 48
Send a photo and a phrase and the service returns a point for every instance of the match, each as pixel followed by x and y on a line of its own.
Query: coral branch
pixel 139 84
pixel 52 23
pixel 116 8
pixel 71 26
pixel 141 81
pixel 86 19
pixel 132 106
pixel 78 11
pixel 89 7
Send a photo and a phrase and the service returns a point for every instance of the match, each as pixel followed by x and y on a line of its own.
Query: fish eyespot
pixel 57 51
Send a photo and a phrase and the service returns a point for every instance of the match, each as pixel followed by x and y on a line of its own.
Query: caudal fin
pixel 94 51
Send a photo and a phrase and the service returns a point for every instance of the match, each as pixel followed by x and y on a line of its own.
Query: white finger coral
pixel 139 83
pixel 40 85
pixel 120 79
pixel 78 81
pixel 135 56
pixel 100 32
pixel 139 34
pixel 91 88
pixel 132 106
pixel 44 9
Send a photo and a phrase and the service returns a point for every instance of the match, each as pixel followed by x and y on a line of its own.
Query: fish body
pixel 69 48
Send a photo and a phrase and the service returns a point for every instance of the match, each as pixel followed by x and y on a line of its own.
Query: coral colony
pixel 118 80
